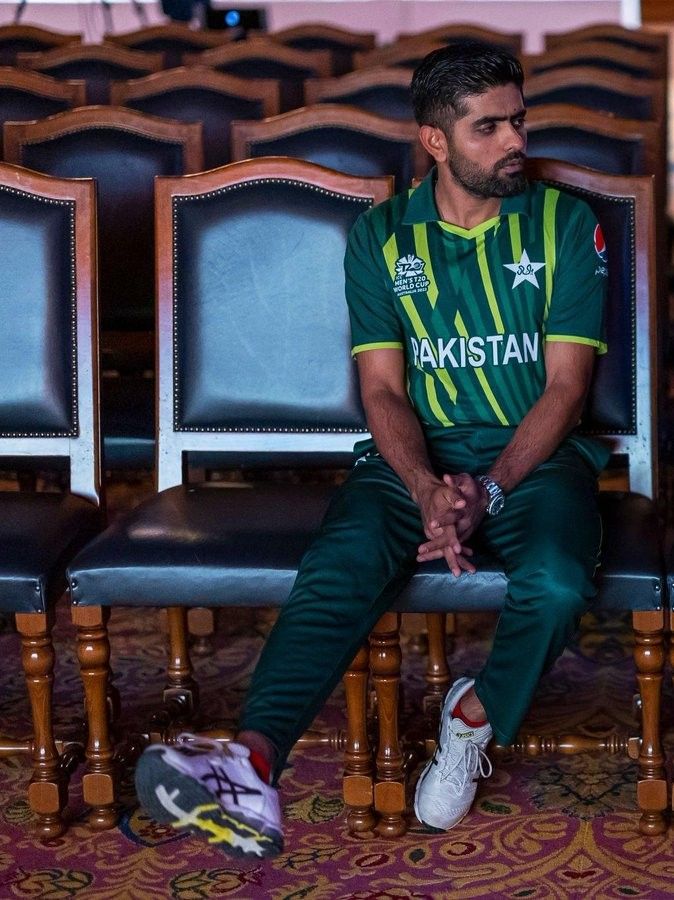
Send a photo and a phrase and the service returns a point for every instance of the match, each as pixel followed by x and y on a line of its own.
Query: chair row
pixel 254 370
pixel 292 63
pixel 124 150
pixel 173 39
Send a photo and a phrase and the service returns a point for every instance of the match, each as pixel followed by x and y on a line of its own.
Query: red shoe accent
pixel 458 713
pixel 261 766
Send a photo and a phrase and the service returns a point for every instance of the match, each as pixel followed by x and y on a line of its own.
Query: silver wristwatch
pixel 496 495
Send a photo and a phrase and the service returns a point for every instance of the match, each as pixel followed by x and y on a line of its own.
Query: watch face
pixel 496 505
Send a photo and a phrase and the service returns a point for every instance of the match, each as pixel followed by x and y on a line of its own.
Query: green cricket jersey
pixel 472 309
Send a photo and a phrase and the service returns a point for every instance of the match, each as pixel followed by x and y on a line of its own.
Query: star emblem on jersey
pixel 524 270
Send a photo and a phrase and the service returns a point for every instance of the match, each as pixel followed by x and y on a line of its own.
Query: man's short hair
pixel 444 78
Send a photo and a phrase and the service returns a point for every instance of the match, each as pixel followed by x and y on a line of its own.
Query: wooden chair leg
pixel 438 676
pixel 649 657
pixel 358 767
pixel 48 790
pixel 389 789
pixel 201 624
pixel 181 691
pixel 93 651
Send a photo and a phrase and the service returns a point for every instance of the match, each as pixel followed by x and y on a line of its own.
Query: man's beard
pixel 487 183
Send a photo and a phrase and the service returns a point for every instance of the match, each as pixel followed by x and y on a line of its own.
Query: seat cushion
pixel 240 545
pixel 39 534
pixel 202 546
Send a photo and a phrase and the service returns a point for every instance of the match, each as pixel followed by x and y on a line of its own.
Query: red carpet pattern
pixel 558 827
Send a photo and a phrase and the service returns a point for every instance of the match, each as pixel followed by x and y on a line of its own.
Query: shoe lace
pixel 462 766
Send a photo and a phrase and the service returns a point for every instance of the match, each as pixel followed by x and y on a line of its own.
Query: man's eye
pixel 486 129
pixel 519 122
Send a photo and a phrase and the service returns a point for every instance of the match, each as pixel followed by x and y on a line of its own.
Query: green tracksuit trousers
pixel 547 536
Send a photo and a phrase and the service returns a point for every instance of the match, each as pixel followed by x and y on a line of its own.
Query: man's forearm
pixel 538 435
pixel 397 433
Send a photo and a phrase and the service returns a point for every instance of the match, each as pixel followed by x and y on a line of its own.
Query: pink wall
pixel 385 17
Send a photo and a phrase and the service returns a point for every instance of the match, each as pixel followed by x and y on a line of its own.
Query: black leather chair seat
pixel 39 533
pixel 127 422
pixel 241 545
pixel 630 576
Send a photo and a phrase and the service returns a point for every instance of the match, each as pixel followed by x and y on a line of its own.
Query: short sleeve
pixel 578 300
pixel 374 321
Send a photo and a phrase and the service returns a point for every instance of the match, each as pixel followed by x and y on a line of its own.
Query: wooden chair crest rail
pixel 319 36
pixel 19 38
pixel 383 90
pixel 652 41
pixel 97 64
pixel 458 31
pixel 193 94
pixel 629 60
pixel 341 137
pixel 172 39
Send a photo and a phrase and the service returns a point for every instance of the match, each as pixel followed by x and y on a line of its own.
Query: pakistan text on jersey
pixel 460 352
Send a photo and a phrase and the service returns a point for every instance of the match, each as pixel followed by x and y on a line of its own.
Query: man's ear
pixel 434 141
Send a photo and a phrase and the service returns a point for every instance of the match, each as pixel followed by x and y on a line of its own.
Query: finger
pixel 443 542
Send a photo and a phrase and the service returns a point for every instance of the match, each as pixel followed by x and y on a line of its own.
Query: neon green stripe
pixel 481 377
pixel 434 402
pixel 469 233
pixel 574 339
pixel 487 284
pixel 515 235
pixel 379 345
pixel 390 251
pixel 550 253
pixel 421 247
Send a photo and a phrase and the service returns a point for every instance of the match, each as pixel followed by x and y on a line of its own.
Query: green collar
pixel 421 205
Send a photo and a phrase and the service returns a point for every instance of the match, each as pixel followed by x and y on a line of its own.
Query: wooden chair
pixel 319 36
pixel 384 91
pixel 622 409
pixel 651 41
pixel 603 54
pixel 203 95
pixel 30 39
pixel 340 137
pixel 599 89
pixel 96 64
pixel 459 31
pixel 588 138
pixel 407 54
pixel 123 150
pixel 260 58
pixel 29 95
pixel 172 39
pixel 48 411
pixel 218 396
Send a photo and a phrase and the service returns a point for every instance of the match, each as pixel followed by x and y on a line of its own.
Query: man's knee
pixel 557 585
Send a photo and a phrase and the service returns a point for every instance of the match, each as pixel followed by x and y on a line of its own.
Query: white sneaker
pixel 209 788
pixel 446 787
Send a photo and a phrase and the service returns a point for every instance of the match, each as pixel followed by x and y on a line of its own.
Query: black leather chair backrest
pixel 47 285
pixel 15 39
pixel 339 137
pixel 384 91
pixel 341 43
pixel 96 64
pixel 599 97
pixel 461 31
pixel 620 405
pixel 197 95
pixel 588 138
pixel 255 317
pixel 258 58
pixel 604 55
pixel 124 155
pixel 29 95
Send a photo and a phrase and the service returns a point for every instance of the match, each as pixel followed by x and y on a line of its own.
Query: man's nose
pixel 515 138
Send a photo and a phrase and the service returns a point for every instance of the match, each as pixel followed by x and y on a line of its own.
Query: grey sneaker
pixel 446 787
pixel 209 788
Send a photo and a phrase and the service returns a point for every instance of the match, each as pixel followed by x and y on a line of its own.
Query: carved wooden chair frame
pixel 508 40
pixel 620 59
pixel 329 90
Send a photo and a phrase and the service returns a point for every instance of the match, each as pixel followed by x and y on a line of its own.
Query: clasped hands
pixel 451 510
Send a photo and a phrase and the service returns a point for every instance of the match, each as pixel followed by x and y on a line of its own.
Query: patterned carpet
pixel 558 827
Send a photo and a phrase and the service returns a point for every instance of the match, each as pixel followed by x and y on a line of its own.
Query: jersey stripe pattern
pixel 473 309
